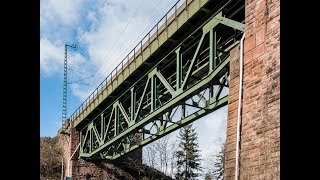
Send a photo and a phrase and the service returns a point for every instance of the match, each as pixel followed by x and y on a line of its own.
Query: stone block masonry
pixel 260 129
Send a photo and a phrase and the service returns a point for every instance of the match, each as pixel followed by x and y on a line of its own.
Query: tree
pixel 162 146
pixel 149 155
pixel 172 152
pixel 218 169
pixel 160 155
pixel 188 157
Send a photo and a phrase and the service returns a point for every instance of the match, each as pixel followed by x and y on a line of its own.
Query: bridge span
pixel 185 63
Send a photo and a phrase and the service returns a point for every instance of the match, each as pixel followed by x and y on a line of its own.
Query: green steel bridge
pixel 176 74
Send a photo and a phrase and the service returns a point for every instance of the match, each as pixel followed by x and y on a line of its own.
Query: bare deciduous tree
pixel 149 155
pixel 50 158
pixel 160 155
pixel 173 150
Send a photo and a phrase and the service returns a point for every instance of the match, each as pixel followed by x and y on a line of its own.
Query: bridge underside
pixel 180 86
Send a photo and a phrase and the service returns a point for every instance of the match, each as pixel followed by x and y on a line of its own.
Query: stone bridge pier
pixel 259 142
pixel 126 167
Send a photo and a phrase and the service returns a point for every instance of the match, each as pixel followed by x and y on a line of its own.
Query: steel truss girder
pixel 119 130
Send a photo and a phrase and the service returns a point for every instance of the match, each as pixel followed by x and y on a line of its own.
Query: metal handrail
pixel 132 54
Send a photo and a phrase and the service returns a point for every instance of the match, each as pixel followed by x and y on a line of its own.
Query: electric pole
pixel 65 83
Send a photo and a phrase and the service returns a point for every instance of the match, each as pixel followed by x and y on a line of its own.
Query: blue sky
pixel 104 32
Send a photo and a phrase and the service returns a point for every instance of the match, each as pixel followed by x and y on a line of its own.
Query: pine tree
pixel 188 157
pixel 219 164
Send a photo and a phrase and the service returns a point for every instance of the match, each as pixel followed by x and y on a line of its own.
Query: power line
pixel 76 41
pixel 139 37
pixel 79 71
pixel 150 24
pixel 89 24
pixel 123 30
pixel 65 102
pixel 81 35
pixel 71 75
pixel 115 43
pixel 79 80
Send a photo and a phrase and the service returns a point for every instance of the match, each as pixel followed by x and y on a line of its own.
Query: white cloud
pixel 106 45
pixel 65 12
pixel 51 57
pixel 214 122
pixel 55 18
pixel 211 131
pixel 122 24
pixel 80 91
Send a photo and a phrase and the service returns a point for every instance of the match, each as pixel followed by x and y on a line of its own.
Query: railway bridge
pixel 202 55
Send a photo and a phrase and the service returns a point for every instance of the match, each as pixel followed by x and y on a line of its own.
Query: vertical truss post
pixel 81 139
pixel 91 141
pixel 211 94
pixel 213 52
pixel 161 120
pixel 179 70
pixel 143 134
pixel 183 111
pixel 133 104
pixel 212 59
pixel 116 119
pixel 153 93
pixel 102 126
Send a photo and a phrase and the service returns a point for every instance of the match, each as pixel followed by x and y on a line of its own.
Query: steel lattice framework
pixel 186 84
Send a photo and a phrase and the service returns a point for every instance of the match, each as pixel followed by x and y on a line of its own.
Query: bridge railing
pixel 161 25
